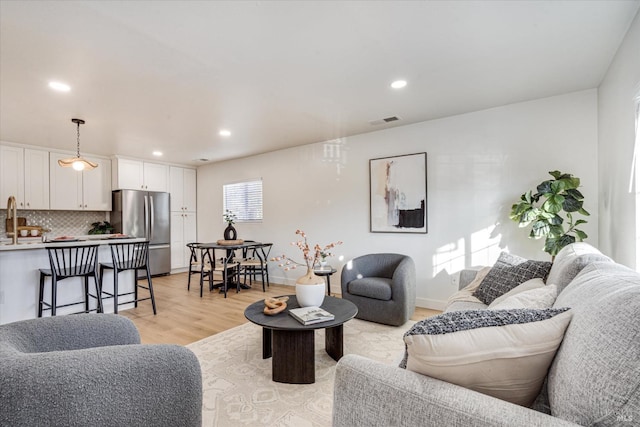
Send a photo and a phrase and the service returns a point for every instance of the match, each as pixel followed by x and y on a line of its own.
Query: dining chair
pixel 128 256
pixel 225 265
pixel 66 262
pixel 254 263
pixel 195 262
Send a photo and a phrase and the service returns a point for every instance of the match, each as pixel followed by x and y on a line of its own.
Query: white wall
pixel 478 166
pixel 616 131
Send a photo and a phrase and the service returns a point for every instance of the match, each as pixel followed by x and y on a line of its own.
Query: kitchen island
pixel 20 275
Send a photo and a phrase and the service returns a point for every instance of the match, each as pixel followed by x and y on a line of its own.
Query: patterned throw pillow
pixel 503 353
pixel 508 272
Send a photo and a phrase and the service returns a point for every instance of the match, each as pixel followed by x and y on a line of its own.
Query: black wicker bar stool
pixel 128 256
pixel 66 262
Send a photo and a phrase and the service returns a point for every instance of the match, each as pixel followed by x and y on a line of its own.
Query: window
pixel 637 178
pixel 244 199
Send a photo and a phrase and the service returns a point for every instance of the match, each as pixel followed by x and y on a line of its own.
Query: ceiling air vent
pixel 383 121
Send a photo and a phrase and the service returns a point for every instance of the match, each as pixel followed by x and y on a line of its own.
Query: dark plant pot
pixel 230 233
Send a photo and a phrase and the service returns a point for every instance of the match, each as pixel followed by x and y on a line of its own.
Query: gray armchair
pixel 90 369
pixel 382 286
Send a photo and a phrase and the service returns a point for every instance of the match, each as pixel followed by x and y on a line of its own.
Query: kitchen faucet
pixel 12 208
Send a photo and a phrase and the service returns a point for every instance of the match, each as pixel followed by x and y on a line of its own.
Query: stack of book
pixel 310 315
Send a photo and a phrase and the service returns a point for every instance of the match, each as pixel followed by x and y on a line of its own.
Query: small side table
pixel 325 271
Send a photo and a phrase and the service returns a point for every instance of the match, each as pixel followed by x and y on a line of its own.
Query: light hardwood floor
pixel 183 317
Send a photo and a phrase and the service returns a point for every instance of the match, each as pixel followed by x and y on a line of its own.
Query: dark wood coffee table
pixel 291 344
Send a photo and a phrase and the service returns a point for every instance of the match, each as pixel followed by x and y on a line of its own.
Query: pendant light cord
pixel 78 141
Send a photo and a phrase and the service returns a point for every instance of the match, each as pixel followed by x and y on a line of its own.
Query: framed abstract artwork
pixel 399 194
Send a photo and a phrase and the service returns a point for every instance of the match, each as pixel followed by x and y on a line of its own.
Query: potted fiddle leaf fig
pixel 550 212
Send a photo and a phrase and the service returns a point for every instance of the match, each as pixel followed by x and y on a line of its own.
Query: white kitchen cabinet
pixel 96 187
pixel 182 185
pixel 183 231
pixel 24 173
pixel 156 177
pixel 138 175
pixel 88 190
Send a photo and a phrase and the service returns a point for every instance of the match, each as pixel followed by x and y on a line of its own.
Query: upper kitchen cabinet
pixel 24 174
pixel 138 175
pixel 182 186
pixel 73 190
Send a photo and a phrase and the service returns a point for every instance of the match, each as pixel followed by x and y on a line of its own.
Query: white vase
pixel 310 290
pixel 310 295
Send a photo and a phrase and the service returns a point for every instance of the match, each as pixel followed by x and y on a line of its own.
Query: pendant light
pixel 78 163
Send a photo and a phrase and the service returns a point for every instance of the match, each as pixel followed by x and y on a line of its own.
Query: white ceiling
pixel 168 75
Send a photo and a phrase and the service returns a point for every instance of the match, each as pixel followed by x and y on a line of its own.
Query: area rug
pixel 237 385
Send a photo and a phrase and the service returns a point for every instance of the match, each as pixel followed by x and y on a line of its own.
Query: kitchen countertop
pixel 28 243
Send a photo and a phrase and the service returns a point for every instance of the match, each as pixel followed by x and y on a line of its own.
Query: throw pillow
pixel 526 286
pixel 502 353
pixel 508 272
pixel 543 297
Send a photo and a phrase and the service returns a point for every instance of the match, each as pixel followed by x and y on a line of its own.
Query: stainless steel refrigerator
pixel 145 214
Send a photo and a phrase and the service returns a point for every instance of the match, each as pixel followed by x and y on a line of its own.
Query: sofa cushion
pixel 542 297
pixel 595 378
pixel 502 353
pixel 570 261
pixel 371 287
pixel 522 287
pixel 508 272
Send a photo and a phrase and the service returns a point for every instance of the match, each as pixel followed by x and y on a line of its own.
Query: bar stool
pixel 128 256
pixel 67 262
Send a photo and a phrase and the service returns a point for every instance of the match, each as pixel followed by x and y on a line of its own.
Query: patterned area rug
pixel 237 385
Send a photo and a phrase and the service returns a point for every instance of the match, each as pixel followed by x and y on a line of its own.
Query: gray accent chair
pixel 382 286
pixel 90 369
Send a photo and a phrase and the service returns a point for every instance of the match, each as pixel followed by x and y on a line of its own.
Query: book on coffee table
pixel 310 315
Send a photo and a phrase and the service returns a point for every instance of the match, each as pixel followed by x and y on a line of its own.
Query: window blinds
pixel 244 199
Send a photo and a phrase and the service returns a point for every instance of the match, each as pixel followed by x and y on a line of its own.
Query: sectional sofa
pixel 594 378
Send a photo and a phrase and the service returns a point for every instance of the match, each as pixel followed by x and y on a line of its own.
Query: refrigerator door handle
pixel 146 217
pixel 151 219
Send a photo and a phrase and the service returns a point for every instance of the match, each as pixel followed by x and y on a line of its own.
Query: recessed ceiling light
pixel 224 132
pixel 59 86
pixel 399 84
pixel 157 153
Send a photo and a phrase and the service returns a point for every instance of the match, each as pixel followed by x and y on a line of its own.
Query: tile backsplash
pixel 61 223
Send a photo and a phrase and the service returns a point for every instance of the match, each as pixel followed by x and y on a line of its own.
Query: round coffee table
pixel 291 344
